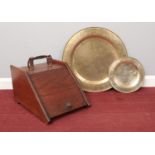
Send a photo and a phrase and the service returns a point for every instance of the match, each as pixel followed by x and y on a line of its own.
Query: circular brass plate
pixel 126 75
pixel 89 53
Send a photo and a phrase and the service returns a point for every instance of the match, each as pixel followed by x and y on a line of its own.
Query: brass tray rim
pixel 94 27
pixel 134 62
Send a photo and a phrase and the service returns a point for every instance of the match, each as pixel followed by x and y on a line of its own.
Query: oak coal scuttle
pixel 48 89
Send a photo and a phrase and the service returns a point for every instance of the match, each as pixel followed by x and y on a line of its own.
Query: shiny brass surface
pixel 126 75
pixel 89 53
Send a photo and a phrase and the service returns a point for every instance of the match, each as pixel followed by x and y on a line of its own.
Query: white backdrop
pixel 19 41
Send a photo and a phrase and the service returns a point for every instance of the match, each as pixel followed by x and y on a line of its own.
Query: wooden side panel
pixel 25 94
pixel 58 91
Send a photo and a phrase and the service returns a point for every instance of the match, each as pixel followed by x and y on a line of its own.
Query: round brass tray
pixel 126 75
pixel 89 53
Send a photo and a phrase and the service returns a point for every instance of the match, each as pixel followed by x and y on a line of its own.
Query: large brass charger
pixel 89 53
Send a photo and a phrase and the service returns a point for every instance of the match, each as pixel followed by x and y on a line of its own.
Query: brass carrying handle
pixel 30 63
